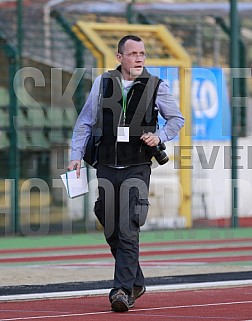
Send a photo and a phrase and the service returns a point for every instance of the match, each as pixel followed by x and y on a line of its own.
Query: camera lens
pixel 159 154
pixel 162 158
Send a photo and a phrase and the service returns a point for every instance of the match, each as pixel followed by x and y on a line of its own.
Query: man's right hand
pixel 75 164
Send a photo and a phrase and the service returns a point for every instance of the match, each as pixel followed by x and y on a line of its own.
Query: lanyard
pixel 124 103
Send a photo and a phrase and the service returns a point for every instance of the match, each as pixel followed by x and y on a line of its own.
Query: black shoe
pixel 119 301
pixel 138 291
pixel 131 301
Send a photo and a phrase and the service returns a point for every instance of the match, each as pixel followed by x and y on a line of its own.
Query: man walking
pixel 126 109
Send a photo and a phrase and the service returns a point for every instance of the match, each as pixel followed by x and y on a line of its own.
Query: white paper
pixel 123 134
pixel 75 186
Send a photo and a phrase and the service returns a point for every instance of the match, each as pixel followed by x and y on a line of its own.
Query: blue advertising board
pixel 211 116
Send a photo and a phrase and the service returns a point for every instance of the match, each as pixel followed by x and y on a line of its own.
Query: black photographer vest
pixel 141 117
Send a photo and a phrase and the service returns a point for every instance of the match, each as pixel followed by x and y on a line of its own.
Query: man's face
pixel 132 58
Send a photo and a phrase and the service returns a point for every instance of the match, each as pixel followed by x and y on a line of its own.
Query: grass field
pixel 146 236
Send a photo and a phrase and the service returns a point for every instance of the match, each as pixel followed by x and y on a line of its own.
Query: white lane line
pixel 50 295
pixel 56 316
pixel 187 286
pixel 193 306
pixel 133 310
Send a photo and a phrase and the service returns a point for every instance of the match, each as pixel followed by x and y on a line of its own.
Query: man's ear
pixel 119 57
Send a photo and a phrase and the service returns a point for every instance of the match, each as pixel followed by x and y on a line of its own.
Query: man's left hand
pixel 150 139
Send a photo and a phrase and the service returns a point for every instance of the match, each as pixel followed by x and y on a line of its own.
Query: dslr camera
pixel 159 154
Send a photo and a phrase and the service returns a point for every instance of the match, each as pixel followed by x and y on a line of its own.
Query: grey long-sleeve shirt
pixel 166 106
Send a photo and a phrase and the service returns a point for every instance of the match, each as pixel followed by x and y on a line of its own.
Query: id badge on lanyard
pixel 123 131
pixel 123 134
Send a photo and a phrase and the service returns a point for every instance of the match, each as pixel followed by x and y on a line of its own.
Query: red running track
pixel 183 251
pixel 219 304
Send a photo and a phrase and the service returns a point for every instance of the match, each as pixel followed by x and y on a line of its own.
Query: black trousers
pixel 121 208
